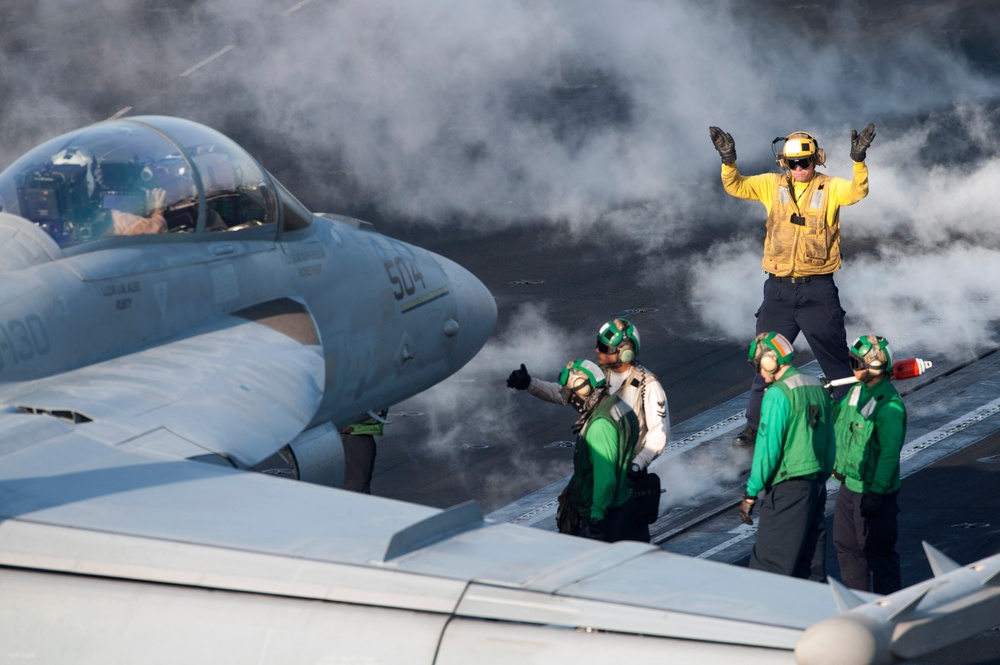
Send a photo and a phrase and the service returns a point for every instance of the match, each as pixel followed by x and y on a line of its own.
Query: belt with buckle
pixel 798 280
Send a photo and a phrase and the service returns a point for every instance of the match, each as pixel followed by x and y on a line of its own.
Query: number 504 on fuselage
pixel 159 284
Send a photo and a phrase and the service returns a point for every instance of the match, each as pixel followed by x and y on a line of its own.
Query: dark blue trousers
pixel 621 524
pixel 814 309
pixel 359 462
pixel 791 530
pixel 866 546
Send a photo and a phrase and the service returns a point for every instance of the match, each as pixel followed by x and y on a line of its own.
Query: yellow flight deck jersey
pixel 803 232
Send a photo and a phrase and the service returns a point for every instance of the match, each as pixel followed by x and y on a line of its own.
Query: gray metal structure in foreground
pixel 144 377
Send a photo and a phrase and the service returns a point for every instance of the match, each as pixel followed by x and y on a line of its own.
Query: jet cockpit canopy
pixel 142 175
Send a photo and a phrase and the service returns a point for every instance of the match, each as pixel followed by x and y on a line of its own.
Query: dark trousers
pixel 791 530
pixel 866 546
pixel 622 523
pixel 814 309
pixel 359 462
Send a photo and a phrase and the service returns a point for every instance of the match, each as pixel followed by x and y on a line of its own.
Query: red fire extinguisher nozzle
pixel 910 367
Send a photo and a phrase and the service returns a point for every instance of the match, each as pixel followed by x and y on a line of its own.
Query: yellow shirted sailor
pixel 801 248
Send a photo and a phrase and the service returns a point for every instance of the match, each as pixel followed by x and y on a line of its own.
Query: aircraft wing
pixel 240 389
pixel 107 555
pixel 196 562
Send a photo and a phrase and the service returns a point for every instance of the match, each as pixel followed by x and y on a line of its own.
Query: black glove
pixel 725 144
pixel 593 529
pixel 746 507
pixel 860 142
pixel 825 382
pixel 636 473
pixel 870 504
pixel 519 378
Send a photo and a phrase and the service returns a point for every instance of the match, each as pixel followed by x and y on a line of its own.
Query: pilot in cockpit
pixel 123 205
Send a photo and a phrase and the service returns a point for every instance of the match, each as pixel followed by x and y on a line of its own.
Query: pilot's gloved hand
pixel 871 502
pixel 158 198
pixel 724 143
pixel 593 529
pixel 746 507
pixel 519 379
pixel 860 142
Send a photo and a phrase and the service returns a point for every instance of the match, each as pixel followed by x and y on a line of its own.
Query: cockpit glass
pixel 238 194
pixel 137 176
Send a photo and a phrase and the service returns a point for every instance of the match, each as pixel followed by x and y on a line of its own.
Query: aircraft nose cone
pixel 476 312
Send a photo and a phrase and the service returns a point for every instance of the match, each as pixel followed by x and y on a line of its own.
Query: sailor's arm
pixel 657 417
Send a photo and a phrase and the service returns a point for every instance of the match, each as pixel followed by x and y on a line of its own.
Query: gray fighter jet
pixel 171 318
pixel 159 285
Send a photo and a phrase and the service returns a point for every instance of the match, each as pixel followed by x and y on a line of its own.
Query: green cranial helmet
pixel 580 381
pixel 620 337
pixel 871 352
pixel 769 351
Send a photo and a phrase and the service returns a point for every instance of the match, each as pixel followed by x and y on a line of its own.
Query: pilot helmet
pixel 77 158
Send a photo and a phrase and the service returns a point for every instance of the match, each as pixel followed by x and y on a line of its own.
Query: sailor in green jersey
pixel 871 425
pixel 597 501
pixel 792 459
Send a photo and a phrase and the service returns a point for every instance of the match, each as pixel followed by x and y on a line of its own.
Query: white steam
pixel 584 113
pixel 475 406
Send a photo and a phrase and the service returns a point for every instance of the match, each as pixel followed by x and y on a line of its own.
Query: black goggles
pixel 804 163
pixel 604 348
pixel 857 363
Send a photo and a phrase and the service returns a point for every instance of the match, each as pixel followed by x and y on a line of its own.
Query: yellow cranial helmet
pixel 801 145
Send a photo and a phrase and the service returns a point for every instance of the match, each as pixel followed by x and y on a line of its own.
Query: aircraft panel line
pixel 425 299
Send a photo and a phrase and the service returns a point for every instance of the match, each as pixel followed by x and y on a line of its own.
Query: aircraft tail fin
pixel 846 599
pixel 940 562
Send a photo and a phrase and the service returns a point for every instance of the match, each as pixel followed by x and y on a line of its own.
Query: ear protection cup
pixel 626 354
pixel 582 388
pixel 768 362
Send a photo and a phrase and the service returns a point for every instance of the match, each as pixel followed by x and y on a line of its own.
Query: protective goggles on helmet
pixel 857 363
pixel 604 348
pixel 616 335
pixel 802 162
